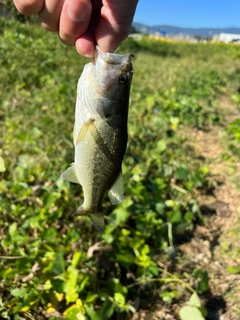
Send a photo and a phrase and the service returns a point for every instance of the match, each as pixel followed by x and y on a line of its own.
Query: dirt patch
pixel 215 246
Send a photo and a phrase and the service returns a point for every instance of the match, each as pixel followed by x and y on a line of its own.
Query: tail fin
pixel 96 218
pixel 98 221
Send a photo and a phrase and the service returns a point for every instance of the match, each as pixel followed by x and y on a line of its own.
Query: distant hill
pixel 204 32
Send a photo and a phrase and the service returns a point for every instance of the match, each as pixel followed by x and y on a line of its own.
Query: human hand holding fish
pixel 101 113
pixel 84 23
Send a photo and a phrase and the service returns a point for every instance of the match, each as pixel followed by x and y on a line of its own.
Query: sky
pixel 189 13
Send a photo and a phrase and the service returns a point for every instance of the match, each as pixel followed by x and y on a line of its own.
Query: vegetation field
pixel 171 249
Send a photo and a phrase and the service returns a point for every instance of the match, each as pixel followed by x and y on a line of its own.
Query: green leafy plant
pixel 202 277
pixel 233 132
pixel 193 309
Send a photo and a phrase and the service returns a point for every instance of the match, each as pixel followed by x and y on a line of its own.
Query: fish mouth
pixel 112 58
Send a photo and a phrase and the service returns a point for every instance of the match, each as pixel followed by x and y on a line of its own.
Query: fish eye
pixel 123 79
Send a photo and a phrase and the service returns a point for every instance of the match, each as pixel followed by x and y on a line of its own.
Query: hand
pixel 84 23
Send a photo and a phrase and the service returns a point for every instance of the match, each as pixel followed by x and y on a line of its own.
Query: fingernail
pixel 79 11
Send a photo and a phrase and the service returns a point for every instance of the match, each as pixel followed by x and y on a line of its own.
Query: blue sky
pixel 189 13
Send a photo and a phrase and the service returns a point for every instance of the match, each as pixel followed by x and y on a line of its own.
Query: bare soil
pixel 214 245
pixel 217 243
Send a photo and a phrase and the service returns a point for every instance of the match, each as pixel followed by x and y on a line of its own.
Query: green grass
pixel 47 266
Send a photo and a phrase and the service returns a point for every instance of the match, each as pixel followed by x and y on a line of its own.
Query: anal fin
pixel 116 192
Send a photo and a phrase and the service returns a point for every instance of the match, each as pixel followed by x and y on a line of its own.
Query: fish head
pixel 112 76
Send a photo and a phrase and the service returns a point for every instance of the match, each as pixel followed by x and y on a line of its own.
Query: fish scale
pixel 100 132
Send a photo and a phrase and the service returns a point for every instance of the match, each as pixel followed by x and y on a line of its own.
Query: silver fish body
pixel 100 132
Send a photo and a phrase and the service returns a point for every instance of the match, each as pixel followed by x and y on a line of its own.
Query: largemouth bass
pixel 100 132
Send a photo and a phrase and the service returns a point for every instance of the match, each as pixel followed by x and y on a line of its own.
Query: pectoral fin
pixel 116 193
pixel 70 174
pixel 98 221
pixel 81 134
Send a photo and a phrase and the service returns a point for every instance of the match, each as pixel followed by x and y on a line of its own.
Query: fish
pixel 100 132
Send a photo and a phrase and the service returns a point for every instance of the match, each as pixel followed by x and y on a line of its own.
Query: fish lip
pixel 113 58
